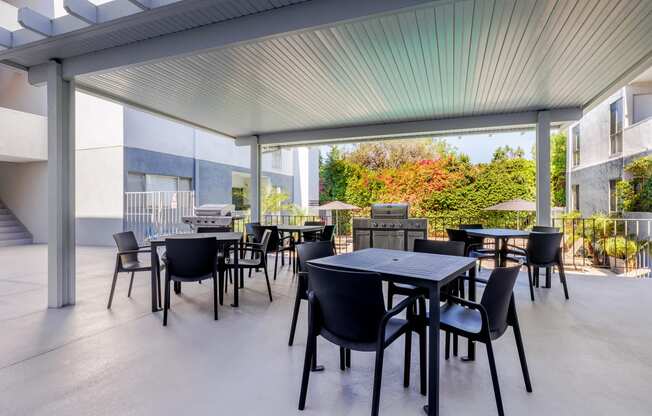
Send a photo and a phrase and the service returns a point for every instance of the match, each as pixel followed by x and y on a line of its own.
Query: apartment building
pixel 121 150
pixel 603 142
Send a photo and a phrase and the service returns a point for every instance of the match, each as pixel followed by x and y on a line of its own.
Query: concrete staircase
pixel 12 232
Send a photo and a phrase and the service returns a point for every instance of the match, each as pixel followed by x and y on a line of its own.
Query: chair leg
pixel 342 359
pixel 494 379
pixel 521 355
pixel 158 288
pixel 295 315
pixel 276 265
pixel 536 276
pixel 455 345
pixel 447 353
pixel 221 289
pixel 562 277
pixel 131 284
pixel 347 358
pixel 408 358
pixel 378 378
pixel 215 295
pixel 529 277
pixel 548 277
pixel 310 352
pixel 269 288
pixel 423 358
pixel 166 302
pixel 115 278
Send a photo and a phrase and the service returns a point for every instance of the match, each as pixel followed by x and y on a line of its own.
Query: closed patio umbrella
pixel 517 205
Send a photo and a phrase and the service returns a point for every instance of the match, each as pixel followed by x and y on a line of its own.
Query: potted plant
pixel 621 253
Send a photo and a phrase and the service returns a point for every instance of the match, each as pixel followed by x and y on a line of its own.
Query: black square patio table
pixel 430 271
pixel 299 229
pixel 222 238
pixel 500 237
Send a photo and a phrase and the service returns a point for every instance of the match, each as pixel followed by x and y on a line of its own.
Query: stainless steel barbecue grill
pixel 212 218
pixel 389 227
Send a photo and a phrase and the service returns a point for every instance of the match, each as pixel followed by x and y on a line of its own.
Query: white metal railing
pixel 151 214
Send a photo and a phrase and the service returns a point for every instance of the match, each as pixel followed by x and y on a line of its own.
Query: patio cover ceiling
pixel 322 70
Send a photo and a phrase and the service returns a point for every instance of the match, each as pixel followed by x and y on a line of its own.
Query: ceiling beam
pixel 484 123
pixel 5 38
pixel 83 10
pixel 35 21
pixel 142 4
pixel 295 18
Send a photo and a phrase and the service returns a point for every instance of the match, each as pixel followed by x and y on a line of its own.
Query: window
pixel 616 127
pixel 576 197
pixel 642 107
pixel 141 182
pixel 277 159
pixel 613 195
pixel 575 133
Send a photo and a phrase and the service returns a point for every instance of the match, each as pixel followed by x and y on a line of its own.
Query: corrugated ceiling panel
pixel 186 16
pixel 456 58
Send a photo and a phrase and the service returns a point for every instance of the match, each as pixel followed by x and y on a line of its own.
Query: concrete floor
pixel 587 356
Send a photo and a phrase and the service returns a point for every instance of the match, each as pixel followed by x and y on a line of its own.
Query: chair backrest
pixel 545 229
pixel 542 248
pixel 274 239
pixel 265 240
pixel 471 226
pixel 497 296
pixel 327 233
pixel 191 257
pixel 449 248
pixel 312 251
pixel 456 235
pixel 250 229
pixel 313 223
pixel 351 304
pixel 126 241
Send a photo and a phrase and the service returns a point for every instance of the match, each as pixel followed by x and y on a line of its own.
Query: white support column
pixel 254 191
pixel 544 210
pixel 61 188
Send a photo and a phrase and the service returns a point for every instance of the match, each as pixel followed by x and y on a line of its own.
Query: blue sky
pixel 481 147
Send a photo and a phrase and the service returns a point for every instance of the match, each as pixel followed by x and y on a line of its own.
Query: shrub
pixel 619 246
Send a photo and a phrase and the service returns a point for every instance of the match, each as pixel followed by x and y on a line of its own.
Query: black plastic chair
pixel 306 252
pixel 487 321
pixel 250 233
pixel 277 244
pixel 309 236
pixel 474 246
pixel 545 229
pixel 258 258
pixel 347 309
pixel 126 260
pixel 190 260
pixel 543 251
pixel 447 248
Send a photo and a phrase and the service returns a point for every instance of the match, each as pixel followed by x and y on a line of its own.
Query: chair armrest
pixel 140 250
pixel 398 309
pixel 477 279
pixel 472 305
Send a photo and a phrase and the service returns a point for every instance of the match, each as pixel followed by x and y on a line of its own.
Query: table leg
pixel 472 295
pixel 497 252
pixel 177 287
pixel 432 408
pixel 154 277
pixel 236 274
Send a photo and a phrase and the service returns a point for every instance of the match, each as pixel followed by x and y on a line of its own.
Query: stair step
pixel 4 211
pixel 11 228
pixel 18 242
pixel 6 217
pixel 14 235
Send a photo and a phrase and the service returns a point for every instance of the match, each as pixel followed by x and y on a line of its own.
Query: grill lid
pixel 389 211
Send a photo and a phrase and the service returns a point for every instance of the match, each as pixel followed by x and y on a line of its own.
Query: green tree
pixel 636 192
pixel 558 169
pixel 332 175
